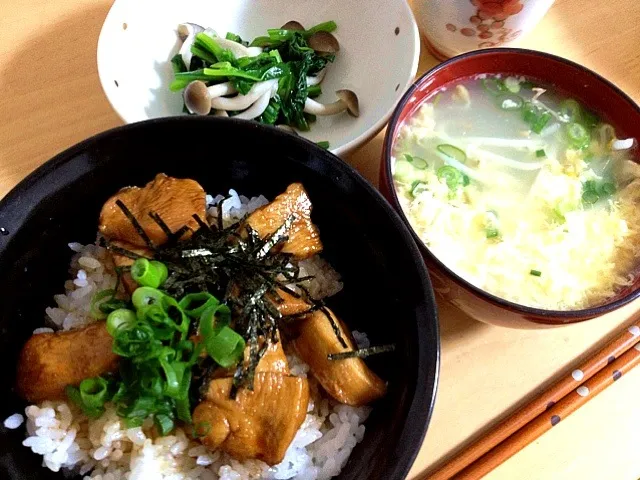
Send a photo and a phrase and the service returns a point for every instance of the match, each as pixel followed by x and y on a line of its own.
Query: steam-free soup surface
pixel 521 191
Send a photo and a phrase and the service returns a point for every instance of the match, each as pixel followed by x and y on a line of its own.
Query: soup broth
pixel 521 191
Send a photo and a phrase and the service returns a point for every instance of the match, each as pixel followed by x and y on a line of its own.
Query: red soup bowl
pixel 614 106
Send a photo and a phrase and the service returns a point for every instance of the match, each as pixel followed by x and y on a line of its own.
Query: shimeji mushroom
pixel 324 42
pixel 292 25
pixel 242 102
pixel 198 97
pixel 187 33
pixel 347 100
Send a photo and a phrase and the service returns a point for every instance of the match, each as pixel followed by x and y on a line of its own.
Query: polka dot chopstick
pixel 547 410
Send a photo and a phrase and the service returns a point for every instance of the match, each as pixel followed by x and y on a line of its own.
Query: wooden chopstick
pixel 546 421
pixel 560 399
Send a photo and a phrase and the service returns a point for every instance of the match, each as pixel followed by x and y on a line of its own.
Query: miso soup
pixel 521 191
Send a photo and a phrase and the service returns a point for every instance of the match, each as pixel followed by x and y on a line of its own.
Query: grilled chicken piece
pixel 290 305
pixel 123 261
pixel 174 200
pixel 257 424
pixel 51 361
pixel 304 237
pixel 349 381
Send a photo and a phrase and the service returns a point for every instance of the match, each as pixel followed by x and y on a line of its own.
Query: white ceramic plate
pixel 378 59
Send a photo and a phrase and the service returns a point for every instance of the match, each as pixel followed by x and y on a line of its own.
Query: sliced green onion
pixel 607 189
pixel 175 313
pixel 140 409
pixel 164 423
pixel 417 187
pixel 452 152
pixel 512 84
pixel 323 144
pixel 121 318
pixel 183 409
pixel 492 232
pixel 541 122
pixel 164 327
pixel 589 119
pixel 530 112
pixel 73 394
pixel 535 273
pixel 557 215
pixel 571 110
pixel 137 341
pixel 144 296
pixel 94 392
pixel 510 101
pixel 149 273
pixel 465 180
pixel 194 304
pixel 578 135
pixel 417 162
pixel 493 85
pixel 226 348
pixel 223 344
pixel 590 197
pixel 451 175
pixel 540 153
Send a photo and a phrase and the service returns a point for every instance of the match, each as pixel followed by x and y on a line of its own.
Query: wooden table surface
pixel 50 98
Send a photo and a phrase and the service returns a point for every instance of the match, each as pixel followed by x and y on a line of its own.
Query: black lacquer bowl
pixel 387 291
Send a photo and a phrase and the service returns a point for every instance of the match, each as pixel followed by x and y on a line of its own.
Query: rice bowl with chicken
pixel 219 350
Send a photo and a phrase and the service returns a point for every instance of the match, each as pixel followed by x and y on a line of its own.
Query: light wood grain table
pixel 50 98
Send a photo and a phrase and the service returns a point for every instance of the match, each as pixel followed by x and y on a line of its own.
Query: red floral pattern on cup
pixel 488 23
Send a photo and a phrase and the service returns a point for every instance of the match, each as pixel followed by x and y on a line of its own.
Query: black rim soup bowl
pixel 386 293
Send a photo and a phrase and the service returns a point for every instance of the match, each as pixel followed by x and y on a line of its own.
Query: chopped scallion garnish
pixel 452 152
pixel 540 153
pixel 535 273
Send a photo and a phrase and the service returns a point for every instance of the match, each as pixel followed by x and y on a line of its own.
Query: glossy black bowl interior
pixel 387 292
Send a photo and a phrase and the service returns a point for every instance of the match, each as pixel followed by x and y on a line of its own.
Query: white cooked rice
pixel 104 449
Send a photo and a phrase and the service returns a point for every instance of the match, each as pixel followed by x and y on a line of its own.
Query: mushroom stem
pixel 317 108
pixel 221 89
pixel 242 102
pixel 188 32
pixel 317 79
pixel 257 108
pixel 347 100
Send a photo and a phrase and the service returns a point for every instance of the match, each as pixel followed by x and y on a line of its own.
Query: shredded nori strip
pixel 362 352
pixel 246 271
pixel 135 224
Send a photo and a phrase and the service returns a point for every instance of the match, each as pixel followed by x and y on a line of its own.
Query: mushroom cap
pixel 324 42
pixel 186 29
pixel 196 98
pixel 292 25
pixel 287 128
pixel 351 101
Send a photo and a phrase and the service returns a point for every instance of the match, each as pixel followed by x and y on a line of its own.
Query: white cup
pixel 451 27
